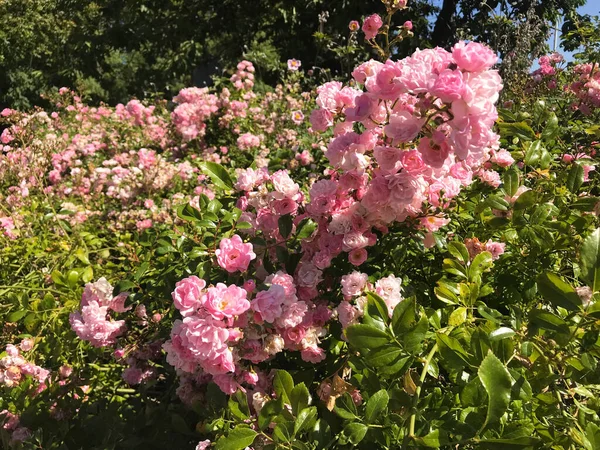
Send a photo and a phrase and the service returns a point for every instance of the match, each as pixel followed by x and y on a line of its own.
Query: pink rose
pixel 473 56
pixel 388 158
pixel 357 256
pixel 320 119
pixel 495 248
pixel 224 301
pixel 503 158
pixel 371 26
pixel 268 303
pixel 283 184
pixel 449 85
pixel 308 275
pixel 347 314
pixel 187 294
pixel 233 255
pixel 403 126
pixel 354 283
pixel 313 354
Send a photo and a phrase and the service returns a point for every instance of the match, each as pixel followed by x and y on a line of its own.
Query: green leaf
pixel 305 228
pixel 548 321
pixel 501 333
pixel 366 336
pixel 481 263
pixel 299 398
pixel 589 260
pixel 585 204
pixel 283 383
pixel 511 181
pixel 189 213
pixel 384 356
pixel 218 174
pixel 435 439
pixel 592 433
pixel 237 439
pixel 452 351
pixel 306 419
pixel 541 213
pixel 534 153
pixel 376 310
pixel 286 224
pixel 454 267
pixel 376 405
pixel 16 316
pixel 283 431
pixel 497 202
pixel 345 407
pixel 459 251
pixel 444 293
pixel 517 129
pixel 558 292
pixel 551 128
pixel 575 178
pixel 495 378
pixel 355 432
pixel 458 317
pixel 525 200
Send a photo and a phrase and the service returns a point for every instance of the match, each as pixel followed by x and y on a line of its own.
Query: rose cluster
pixel 14 367
pixel 93 323
pixel 355 284
pixel 403 147
pixel 225 329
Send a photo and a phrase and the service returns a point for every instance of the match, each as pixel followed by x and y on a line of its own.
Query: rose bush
pixel 404 259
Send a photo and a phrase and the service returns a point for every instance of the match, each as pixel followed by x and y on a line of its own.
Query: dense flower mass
pixel 92 323
pixel 426 126
pixel 345 267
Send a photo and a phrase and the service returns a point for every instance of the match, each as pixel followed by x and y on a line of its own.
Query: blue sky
pixel 592 7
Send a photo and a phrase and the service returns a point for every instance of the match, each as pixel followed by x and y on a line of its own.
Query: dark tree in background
pixel 112 50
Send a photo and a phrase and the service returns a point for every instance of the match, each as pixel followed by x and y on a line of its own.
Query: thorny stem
pixel 413 417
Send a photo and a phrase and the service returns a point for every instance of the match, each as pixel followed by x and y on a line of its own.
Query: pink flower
pixel 390 290
pixel 224 301
pixel 371 26
pixel 313 354
pixel 297 117
pixel 187 294
pixel 449 85
pixel 495 248
pixel 347 314
pixel 503 158
pixel 283 184
pixel 473 56
pixel 357 256
pixel 490 177
pixel 227 384
pixel 433 223
pixel 203 445
pixel 92 325
pixel 26 345
pixel 268 303
pixel 308 275
pixel 293 65
pixel 353 25
pixel 354 283
pixel 408 25
pixel 403 126
pixel 320 119
pixel 233 255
